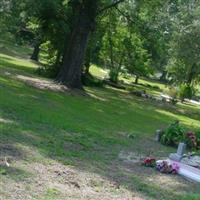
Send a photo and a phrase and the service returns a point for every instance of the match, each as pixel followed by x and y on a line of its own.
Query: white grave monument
pixel 187 171
pixel 179 154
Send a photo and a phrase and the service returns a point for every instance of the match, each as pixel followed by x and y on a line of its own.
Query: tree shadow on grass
pixel 146 104
pixel 95 155
pixel 8 63
pixel 9 151
pixel 12 49
pixel 85 133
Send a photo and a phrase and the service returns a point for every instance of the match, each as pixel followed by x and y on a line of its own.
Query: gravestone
pixel 158 135
pixel 179 154
pixel 193 161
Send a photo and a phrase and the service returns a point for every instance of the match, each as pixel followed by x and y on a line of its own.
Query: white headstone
pixel 179 154
pixel 158 135
pixel 181 149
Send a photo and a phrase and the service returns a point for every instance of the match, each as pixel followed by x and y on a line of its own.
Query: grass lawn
pixel 65 145
pixel 151 87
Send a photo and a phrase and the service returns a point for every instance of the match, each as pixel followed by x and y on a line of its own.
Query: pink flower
pixel 175 168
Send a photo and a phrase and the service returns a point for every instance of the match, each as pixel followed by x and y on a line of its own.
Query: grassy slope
pixel 87 132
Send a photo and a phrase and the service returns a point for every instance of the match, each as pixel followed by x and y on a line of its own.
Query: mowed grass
pixel 152 87
pixel 85 131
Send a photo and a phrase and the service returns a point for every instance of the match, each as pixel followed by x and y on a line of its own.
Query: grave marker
pixel 179 154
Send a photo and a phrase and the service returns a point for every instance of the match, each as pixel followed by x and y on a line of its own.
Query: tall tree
pixel 49 22
pixel 84 17
pixel 113 46
pixel 184 64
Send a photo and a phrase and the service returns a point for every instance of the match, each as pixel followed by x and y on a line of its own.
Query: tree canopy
pixel 141 38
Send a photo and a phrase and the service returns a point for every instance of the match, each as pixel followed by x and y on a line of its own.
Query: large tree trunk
pixel 70 74
pixel 36 51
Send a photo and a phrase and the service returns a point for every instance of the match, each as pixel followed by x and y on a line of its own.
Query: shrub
pixel 48 70
pixel 198 139
pixel 89 80
pixel 173 134
pixel 176 133
pixel 185 91
pixel 191 139
pixel 113 74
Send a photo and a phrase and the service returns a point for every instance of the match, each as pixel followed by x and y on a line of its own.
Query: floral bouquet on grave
pixel 165 167
pixel 149 162
pixel 175 168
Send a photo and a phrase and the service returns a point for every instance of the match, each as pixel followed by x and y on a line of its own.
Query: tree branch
pixel 126 16
pixel 111 6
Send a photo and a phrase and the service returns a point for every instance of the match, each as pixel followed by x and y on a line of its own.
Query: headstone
pixel 179 154
pixel 181 149
pixel 158 135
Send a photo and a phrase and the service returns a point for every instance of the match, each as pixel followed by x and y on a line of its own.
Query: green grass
pixel 91 130
pixel 51 194
pixel 9 46
pixel 151 87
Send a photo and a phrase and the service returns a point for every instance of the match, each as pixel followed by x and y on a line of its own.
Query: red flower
pixel 149 161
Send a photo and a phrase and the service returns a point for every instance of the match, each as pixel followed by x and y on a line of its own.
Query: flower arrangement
pixel 191 140
pixel 149 162
pixel 175 168
pixel 165 167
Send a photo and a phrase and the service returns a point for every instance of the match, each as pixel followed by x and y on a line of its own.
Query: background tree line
pixel 137 37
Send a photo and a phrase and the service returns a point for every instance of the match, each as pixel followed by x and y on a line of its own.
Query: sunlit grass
pixel 187 121
pixel 18 62
pixel 97 124
pixel 99 72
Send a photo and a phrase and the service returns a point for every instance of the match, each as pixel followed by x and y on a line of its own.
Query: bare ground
pixel 32 176
pixel 67 181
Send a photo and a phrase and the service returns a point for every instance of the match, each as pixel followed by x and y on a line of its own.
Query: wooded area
pixel 99 99
pixel 142 38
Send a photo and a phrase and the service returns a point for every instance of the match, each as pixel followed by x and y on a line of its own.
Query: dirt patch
pixel 84 183
pixel 70 182
pixel 42 84
pixel 130 157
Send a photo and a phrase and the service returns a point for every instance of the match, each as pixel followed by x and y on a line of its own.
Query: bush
pixel 173 134
pixel 176 133
pixel 191 140
pixel 89 80
pixel 197 133
pixel 185 91
pixel 47 70
pixel 113 74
